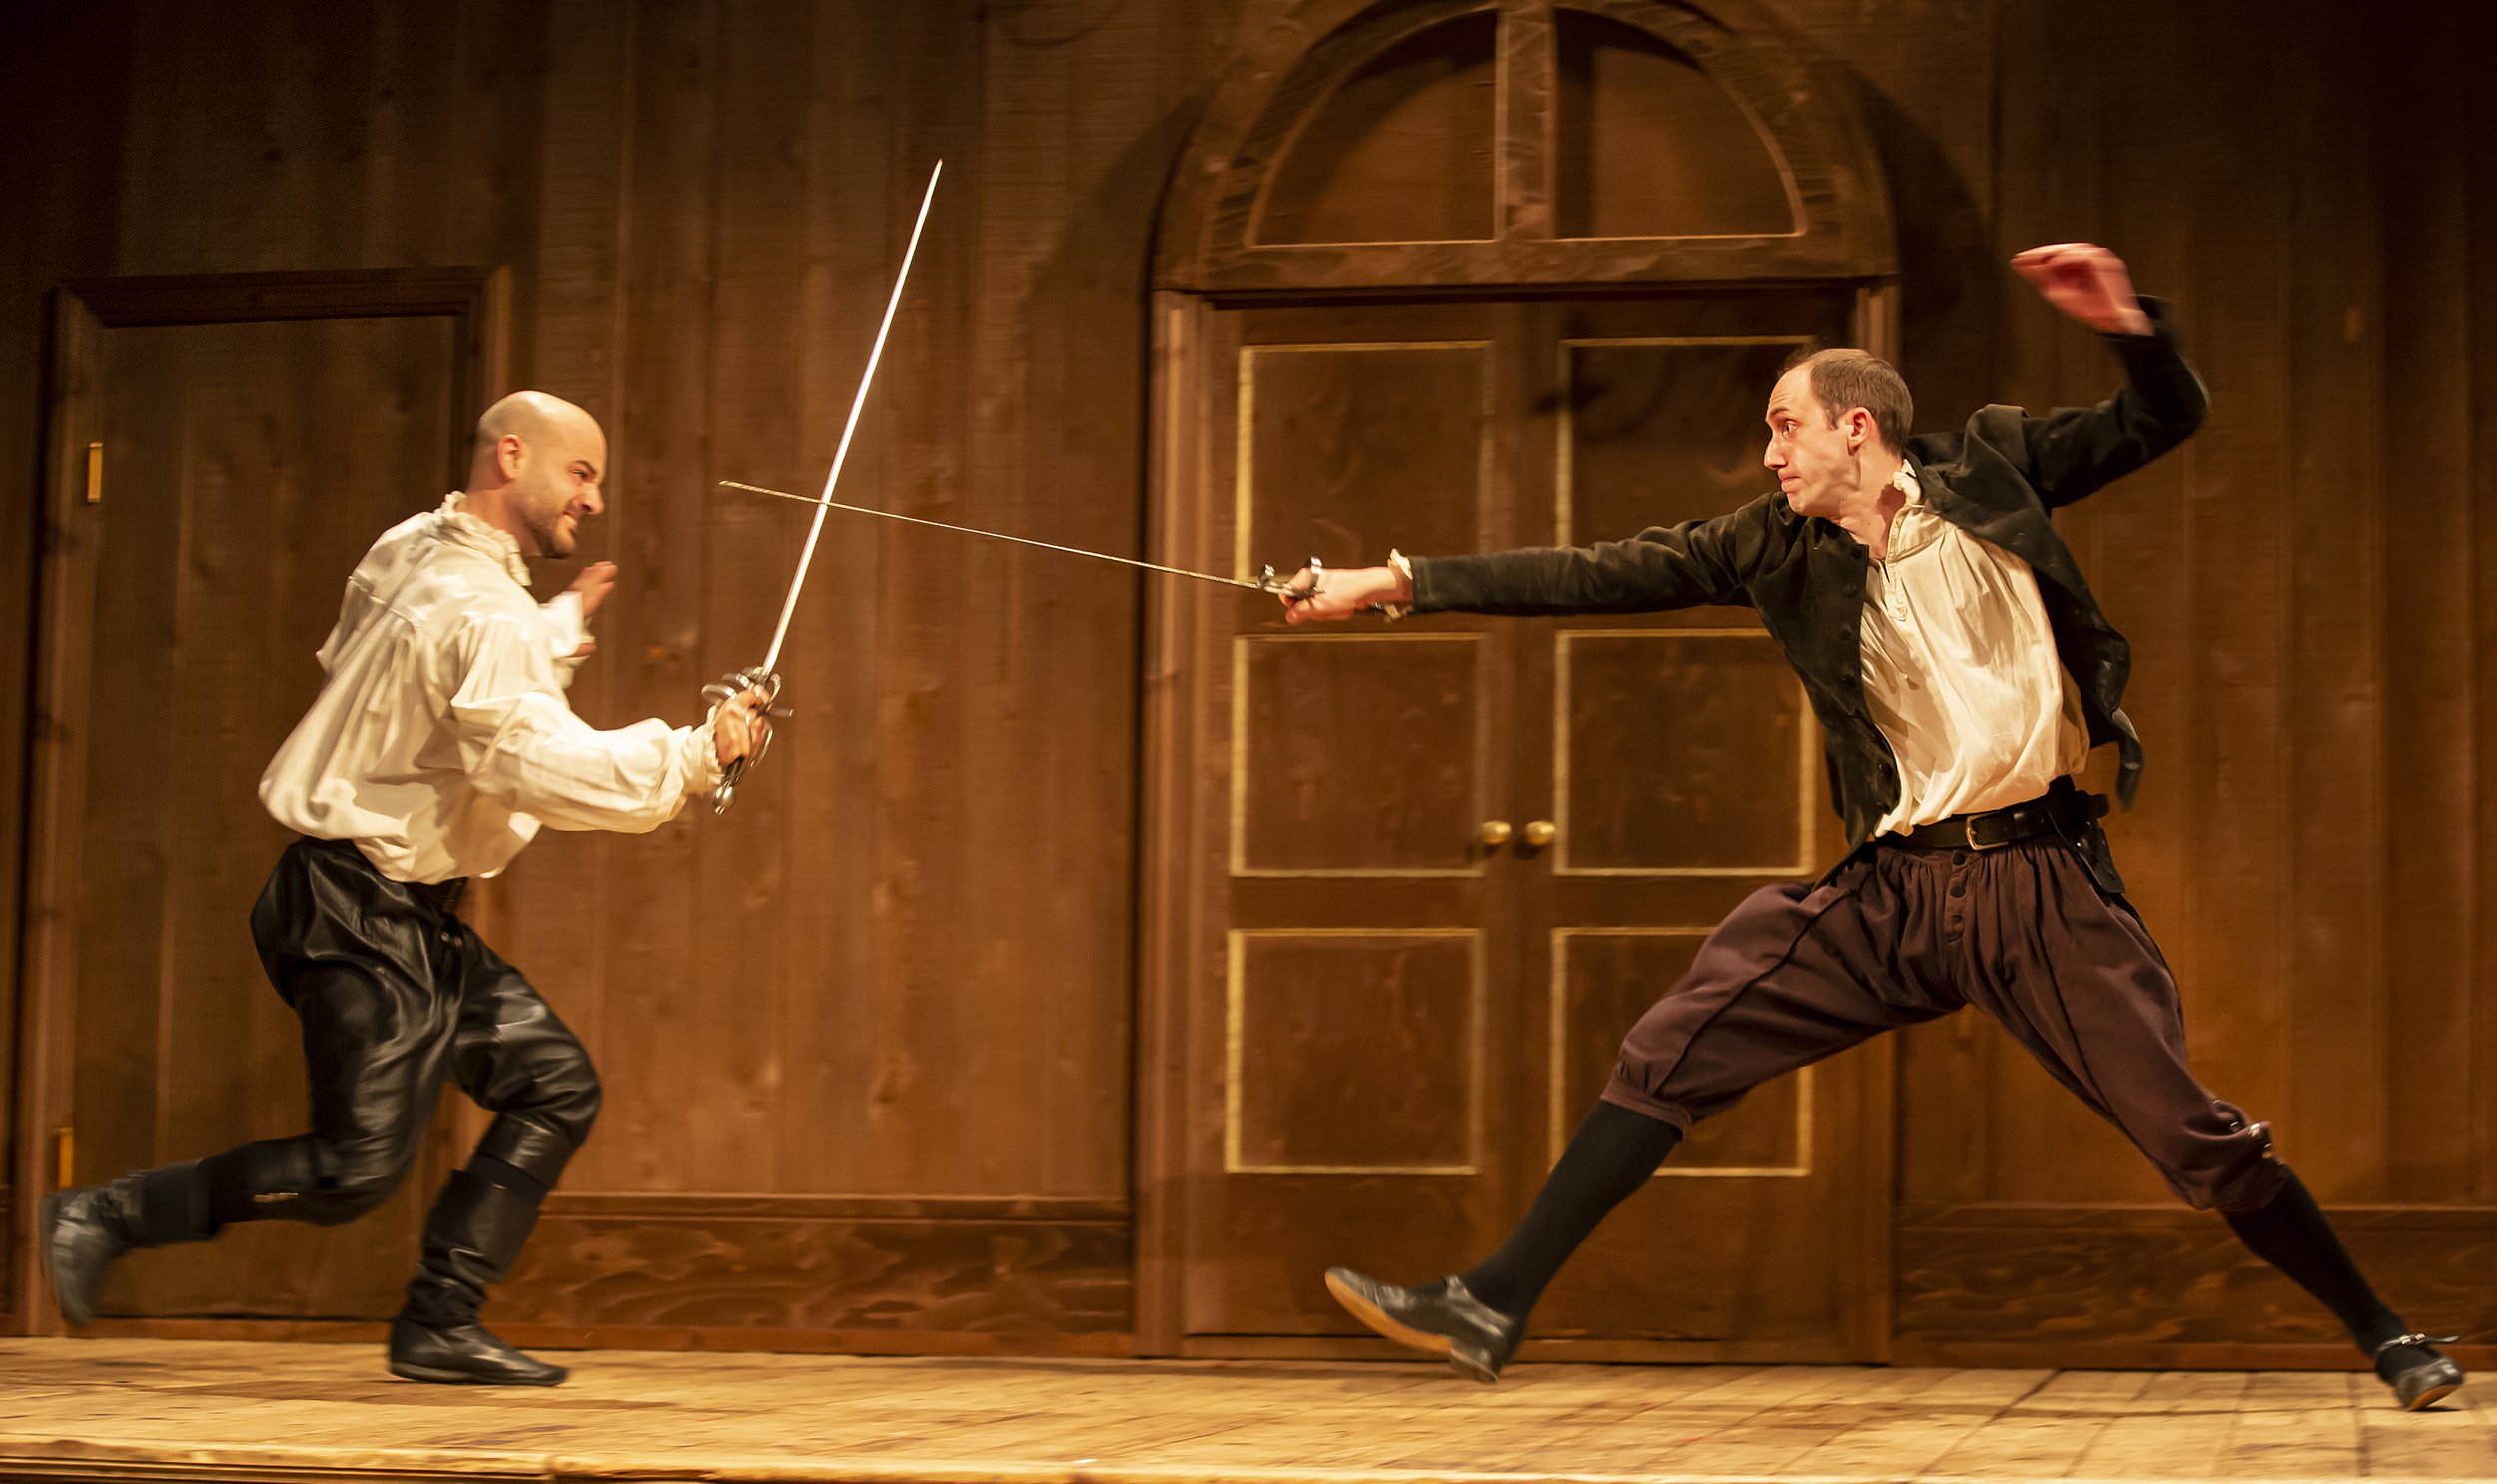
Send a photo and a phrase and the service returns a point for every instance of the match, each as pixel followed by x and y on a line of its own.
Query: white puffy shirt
pixel 1961 671
pixel 441 740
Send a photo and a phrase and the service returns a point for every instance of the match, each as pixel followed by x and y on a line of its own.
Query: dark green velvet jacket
pixel 1998 478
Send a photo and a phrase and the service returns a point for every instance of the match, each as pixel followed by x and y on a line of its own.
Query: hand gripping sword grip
pixel 1268 582
pixel 727 688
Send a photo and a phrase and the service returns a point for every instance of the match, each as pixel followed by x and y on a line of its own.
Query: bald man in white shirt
pixel 441 742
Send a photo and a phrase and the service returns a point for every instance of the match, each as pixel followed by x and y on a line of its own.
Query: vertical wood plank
pixel 2234 772
pixel 829 760
pixel 2334 991
pixel 63 101
pixel 411 106
pixel 750 545
pixel 2473 184
pixel 577 311
pixel 916 1028
pixel 167 184
pixel 492 171
pixel 658 450
pixel 2433 851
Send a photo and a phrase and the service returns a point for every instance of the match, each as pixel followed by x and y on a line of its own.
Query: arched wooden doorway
pixel 1451 276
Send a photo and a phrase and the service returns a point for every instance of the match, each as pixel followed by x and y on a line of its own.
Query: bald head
pixel 535 471
pixel 537 420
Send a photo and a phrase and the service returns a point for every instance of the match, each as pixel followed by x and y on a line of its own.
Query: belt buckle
pixel 1974 843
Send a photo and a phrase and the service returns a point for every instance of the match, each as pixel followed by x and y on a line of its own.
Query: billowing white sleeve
pixel 520 743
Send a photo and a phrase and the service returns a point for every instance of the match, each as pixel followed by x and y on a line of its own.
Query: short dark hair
pixel 1843 378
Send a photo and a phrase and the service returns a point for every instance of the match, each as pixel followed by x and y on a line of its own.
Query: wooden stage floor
pixel 164 1410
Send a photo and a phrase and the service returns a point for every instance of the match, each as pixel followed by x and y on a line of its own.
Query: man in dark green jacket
pixel 1962 672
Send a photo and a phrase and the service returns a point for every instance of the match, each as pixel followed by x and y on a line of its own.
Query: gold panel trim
pixel 1244 477
pixel 1239 756
pixel 1807 752
pixel 1564 488
pixel 1557 1071
pixel 1234 1016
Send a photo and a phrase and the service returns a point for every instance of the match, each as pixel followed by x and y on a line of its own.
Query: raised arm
pixel 2074 453
pixel 1683 567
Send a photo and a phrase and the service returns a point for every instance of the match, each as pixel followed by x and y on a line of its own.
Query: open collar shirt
pixel 442 739
pixel 1961 671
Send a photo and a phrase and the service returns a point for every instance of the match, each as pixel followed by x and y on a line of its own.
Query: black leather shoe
pixel 1441 1317
pixel 2419 1380
pixel 82 1233
pixel 464 1355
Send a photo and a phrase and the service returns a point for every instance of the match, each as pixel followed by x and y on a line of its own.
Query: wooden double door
pixel 1453 859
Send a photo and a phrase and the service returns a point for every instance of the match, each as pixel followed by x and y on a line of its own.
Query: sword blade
pixel 849 429
pixel 973 530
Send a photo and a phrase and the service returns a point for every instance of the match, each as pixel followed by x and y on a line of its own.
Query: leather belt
pixel 2058 810
pixel 442 896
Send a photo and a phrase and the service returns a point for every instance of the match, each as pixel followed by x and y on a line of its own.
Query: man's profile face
pixel 1808 453
pixel 555 486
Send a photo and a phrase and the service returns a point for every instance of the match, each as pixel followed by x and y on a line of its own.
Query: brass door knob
pixel 1494 833
pixel 1541 833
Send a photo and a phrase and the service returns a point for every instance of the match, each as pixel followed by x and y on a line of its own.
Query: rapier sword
pixel 1266 581
pixel 765 677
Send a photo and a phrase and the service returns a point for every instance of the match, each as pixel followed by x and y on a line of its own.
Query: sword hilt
pixel 1290 594
pixel 723 690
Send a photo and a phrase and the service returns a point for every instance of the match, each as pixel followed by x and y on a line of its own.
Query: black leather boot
pixel 471 1238
pixel 84 1231
pixel 1442 1317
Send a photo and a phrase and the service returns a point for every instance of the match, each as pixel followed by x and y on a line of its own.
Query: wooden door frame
pixel 478 302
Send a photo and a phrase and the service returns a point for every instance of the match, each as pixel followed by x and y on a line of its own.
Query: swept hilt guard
pixel 727 688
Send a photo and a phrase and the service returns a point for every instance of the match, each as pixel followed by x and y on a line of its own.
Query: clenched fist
pixel 1341 593
pixel 2088 282
pixel 739 727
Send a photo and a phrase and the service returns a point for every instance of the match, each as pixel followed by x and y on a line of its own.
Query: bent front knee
pixel 2234 1176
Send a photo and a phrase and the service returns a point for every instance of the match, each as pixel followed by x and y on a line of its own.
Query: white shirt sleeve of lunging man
pixel 522 746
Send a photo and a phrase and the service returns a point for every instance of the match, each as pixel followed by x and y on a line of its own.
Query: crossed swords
pixel 765 677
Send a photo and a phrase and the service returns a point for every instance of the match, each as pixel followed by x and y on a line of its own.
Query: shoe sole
pixel 1405 1334
pixel 2432 1396
pixel 406 1372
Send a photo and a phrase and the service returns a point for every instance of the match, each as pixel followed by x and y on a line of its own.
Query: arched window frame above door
pixel 1207 245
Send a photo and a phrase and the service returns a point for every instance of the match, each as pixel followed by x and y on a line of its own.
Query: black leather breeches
pixel 397 994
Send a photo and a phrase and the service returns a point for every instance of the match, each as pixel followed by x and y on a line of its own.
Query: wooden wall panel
pixel 2432 830
pixel 961 1275
pixel 60 179
pixel 2308 835
pixel 2334 996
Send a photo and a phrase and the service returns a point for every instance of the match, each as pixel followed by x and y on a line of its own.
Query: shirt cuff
pixel 1402 566
pixel 567 629
pixel 2163 323
pixel 702 770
